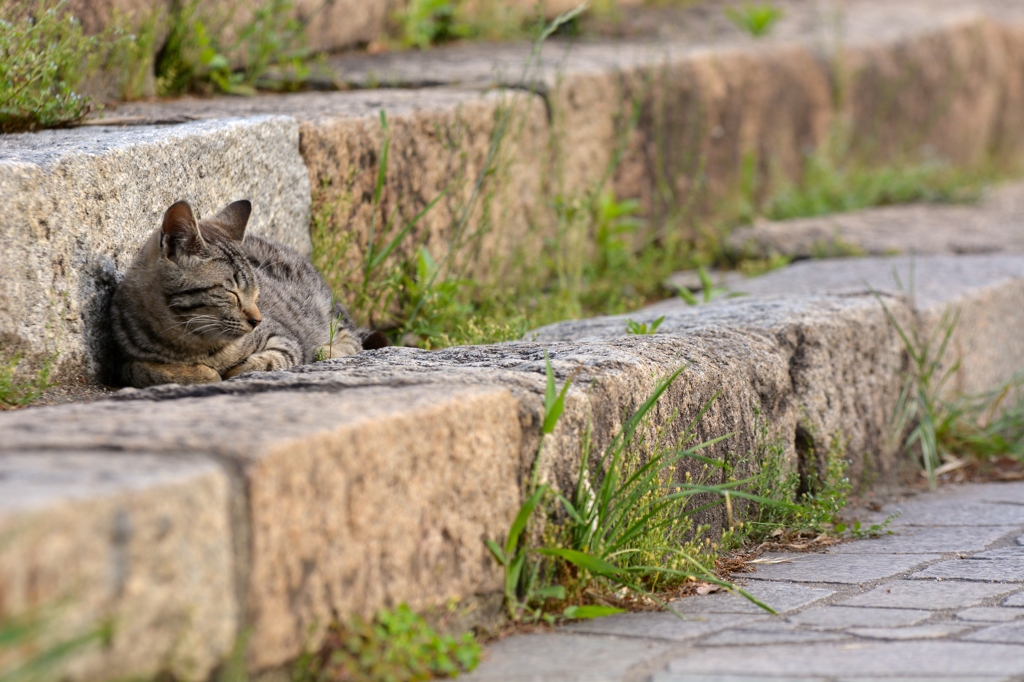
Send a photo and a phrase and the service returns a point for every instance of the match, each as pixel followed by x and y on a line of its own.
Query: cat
pixel 203 301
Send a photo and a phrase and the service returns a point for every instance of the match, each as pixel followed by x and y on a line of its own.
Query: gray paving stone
pixel 772 632
pixel 782 597
pixel 567 658
pixel 842 617
pixel 665 626
pixel 840 568
pixel 992 614
pixel 933 631
pixel 956 513
pixel 925 513
pixel 1012 492
pixel 1001 553
pixel 927 594
pixel 1015 600
pixel 1008 633
pixel 928 540
pixel 983 570
pixel 683 677
pixel 925 659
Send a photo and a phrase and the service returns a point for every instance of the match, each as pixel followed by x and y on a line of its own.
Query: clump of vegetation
pixel 198 56
pixel 398 646
pixel 830 186
pixel 44 56
pixel 757 20
pixel 627 529
pixel 19 391
pixel 939 432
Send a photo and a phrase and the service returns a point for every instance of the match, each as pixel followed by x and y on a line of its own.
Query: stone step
pixel 704 106
pixel 140 542
pixel 371 480
pixel 994 225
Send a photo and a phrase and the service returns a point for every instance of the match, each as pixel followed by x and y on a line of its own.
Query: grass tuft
pixel 938 432
pixel 398 646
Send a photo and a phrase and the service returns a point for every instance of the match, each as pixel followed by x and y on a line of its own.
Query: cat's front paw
pixel 236 370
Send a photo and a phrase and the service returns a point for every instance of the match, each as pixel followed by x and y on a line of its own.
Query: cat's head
pixel 209 287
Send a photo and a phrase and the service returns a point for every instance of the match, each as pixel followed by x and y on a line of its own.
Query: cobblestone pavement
pixel 940 599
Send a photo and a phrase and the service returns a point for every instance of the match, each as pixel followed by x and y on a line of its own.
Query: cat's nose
pixel 254 321
pixel 254 317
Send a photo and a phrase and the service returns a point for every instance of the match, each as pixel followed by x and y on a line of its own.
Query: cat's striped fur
pixel 202 301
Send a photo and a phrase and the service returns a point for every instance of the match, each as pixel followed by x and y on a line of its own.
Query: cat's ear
pixel 233 218
pixel 180 231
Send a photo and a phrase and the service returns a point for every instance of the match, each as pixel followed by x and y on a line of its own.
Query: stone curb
pixel 369 481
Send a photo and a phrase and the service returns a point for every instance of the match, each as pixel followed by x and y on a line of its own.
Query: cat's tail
pixel 369 339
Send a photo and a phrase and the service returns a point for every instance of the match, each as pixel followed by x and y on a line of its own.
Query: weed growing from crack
pixel 643 328
pixel 941 433
pixel 757 20
pixel 626 525
pixel 396 645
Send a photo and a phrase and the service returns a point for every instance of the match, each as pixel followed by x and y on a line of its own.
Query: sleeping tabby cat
pixel 202 301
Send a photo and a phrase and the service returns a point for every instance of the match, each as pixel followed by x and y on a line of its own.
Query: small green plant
pixel 642 327
pixel 19 392
pixel 757 20
pixel 396 646
pixel 709 291
pixel 44 56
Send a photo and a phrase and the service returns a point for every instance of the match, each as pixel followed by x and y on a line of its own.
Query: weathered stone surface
pixel 991 614
pixel 840 568
pixel 991 226
pixel 982 570
pixel 1002 553
pixel 970 514
pixel 930 659
pixel 322 474
pixel 140 541
pixel 711 97
pixel 782 597
pixel 843 617
pixel 80 202
pixel 769 632
pixel 928 540
pixel 930 594
pixel 568 658
pixel 1015 600
pixel 935 631
pixel 664 626
pixel 826 344
pixel 983 289
pixel 1009 633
